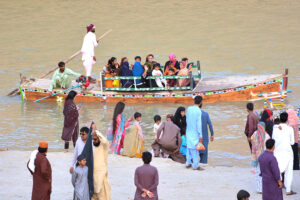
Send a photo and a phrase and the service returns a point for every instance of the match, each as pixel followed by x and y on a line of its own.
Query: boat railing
pixel 135 86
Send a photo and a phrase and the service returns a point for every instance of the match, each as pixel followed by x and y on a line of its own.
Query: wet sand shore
pixel 176 182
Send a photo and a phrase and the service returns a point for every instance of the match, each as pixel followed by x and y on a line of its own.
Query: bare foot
pixel 66 150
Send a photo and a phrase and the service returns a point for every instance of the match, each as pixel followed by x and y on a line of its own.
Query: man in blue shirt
pixel 205 124
pixel 193 133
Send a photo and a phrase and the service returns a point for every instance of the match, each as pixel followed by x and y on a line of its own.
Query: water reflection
pixel 27 123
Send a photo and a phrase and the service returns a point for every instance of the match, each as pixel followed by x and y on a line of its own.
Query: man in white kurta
pixel 193 133
pixel 284 138
pixel 100 152
pixel 87 50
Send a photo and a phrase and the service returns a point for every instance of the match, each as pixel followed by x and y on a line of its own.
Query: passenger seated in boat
pixel 138 69
pixel 111 70
pixel 186 61
pixel 147 83
pixel 172 58
pixel 171 82
pixel 160 81
pixel 169 65
pixel 184 71
pixel 62 77
pixel 150 62
pixel 125 71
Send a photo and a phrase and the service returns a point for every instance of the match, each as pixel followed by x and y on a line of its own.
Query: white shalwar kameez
pixel 87 50
pixel 77 150
pixel 283 152
pixel 159 80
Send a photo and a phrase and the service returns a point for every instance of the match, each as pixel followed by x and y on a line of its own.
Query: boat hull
pixel 244 93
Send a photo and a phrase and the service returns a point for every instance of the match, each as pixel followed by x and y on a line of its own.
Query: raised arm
pixel 103 139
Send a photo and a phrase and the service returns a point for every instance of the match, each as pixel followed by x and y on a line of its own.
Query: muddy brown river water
pixel 228 37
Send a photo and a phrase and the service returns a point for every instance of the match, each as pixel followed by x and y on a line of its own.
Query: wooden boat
pixel 212 89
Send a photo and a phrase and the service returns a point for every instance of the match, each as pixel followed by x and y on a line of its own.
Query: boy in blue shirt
pixel 183 146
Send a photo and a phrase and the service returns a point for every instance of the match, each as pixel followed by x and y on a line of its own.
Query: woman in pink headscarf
pixel 172 58
pixel 293 122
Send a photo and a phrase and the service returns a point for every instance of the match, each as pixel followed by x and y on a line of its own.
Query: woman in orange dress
pixel 111 70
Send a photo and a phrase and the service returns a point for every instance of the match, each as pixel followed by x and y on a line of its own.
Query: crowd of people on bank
pixel 182 137
pixel 265 136
pixel 143 71
pixel 178 138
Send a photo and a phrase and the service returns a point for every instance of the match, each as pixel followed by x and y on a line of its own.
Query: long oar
pixel 74 55
pixel 66 61
pixel 54 94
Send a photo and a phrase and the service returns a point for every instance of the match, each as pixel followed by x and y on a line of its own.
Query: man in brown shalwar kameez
pixel 40 168
pixel 251 124
pixel 169 142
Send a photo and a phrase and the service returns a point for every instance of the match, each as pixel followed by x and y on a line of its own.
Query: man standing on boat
pixel 87 50
pixel 62 77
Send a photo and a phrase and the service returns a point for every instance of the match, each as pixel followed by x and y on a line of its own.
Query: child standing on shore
pixel 183 146
pixel 157 123
pixel 80 180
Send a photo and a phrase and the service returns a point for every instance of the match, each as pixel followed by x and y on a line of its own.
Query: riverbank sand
pixel 175 182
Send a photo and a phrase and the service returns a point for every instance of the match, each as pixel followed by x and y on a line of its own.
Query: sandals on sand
pixel 188 166
pixel 291 193
pixel 199 168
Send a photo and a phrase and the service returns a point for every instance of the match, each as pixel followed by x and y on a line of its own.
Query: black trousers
pixel 296 156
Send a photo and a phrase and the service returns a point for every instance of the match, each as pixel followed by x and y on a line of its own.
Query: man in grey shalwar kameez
pixel 80 180
pixel 169 142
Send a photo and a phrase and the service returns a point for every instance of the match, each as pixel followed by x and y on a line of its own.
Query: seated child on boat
pixel 160 81
pixel 169 65
pixel 171 82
